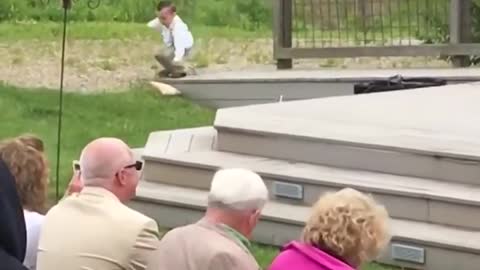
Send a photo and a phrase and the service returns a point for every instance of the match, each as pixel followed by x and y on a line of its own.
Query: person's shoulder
pixel 205 240
pixel 63 207
pixel 179 22
pixel 125 212
pixel 34 216
pixel 194 236
pixel 287 257
pixel 133 224
pixel 283 260
pixel 230 259
pixel 185 231
pixel 33 219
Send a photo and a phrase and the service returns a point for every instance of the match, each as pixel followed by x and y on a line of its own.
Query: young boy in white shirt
pixel 177 38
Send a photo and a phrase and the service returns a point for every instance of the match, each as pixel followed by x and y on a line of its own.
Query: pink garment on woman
pixel 296 256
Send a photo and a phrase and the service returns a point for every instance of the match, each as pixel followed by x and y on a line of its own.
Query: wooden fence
pixel 372 28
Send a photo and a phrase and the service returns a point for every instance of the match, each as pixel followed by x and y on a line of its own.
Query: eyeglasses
pixel 76 165
pixel 138 165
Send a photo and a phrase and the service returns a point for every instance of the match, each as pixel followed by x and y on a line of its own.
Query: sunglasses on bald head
pixel 138 165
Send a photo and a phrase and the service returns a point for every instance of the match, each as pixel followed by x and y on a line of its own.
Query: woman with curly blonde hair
pixel 346 229
pixel 30 170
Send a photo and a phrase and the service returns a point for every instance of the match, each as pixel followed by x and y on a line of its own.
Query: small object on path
pixel 176 75
pixel 163 73
pixel 173 75
pixel 165 89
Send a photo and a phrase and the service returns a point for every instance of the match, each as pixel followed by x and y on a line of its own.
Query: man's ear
pixel 258 214
pixel 255 216
pixel 121 178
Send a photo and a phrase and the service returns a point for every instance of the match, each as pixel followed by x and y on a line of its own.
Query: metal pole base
pixel 284 63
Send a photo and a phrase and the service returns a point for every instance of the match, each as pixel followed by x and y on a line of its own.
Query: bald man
pixel 93 229
pixel 219 241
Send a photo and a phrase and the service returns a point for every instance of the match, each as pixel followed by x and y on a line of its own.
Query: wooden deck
pixel 416 152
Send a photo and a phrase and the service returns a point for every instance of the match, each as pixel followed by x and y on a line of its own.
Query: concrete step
pixel 425 133
pixel 414 244
pixel 247 87
pixel 187 158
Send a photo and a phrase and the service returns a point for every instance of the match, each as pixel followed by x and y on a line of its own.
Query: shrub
pixel 246 14
pixel 441 31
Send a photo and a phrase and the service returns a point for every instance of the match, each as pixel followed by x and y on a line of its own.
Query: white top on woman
pixel 33 222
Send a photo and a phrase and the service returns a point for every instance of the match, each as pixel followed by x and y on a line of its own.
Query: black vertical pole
pixel 283 29
pixel 66 6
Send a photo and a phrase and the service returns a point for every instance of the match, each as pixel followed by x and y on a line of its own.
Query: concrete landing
pixel 239 88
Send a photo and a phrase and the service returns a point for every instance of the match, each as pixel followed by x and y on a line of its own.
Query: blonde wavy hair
pixel 30 169
pixel 349 225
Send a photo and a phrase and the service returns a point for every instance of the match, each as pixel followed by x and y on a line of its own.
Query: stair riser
pixel 234 94
pixel 279 233
pixel 399 206
pixel 350 156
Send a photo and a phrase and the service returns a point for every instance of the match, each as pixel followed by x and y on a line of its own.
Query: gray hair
pixel 237 189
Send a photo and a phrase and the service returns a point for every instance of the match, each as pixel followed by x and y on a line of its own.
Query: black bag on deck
pixel 396 83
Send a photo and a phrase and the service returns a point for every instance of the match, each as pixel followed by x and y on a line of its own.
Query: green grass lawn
pixel 16 31
pixel 129 115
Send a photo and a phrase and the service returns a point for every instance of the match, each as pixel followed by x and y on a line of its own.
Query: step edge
pixel 311 79
pixel 344 143
pixel 172 160
pixel 269 217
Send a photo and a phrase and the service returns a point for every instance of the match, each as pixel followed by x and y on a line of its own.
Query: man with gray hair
pixel 219 241
pixel 93 229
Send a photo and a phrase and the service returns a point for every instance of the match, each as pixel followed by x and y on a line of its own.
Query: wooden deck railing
pixel 372 28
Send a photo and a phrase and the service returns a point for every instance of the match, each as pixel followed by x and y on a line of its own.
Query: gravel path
pixel 115 65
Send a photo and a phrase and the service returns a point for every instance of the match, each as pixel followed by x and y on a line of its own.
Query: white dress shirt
pixel 33 222
pixel 176 36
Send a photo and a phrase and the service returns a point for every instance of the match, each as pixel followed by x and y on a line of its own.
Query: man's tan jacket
pixel 202 246
pixel 93 230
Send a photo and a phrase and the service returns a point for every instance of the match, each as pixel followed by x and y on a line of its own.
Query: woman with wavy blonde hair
pixel 30 170
pixel 346 229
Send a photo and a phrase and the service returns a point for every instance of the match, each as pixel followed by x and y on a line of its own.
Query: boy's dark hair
pixel 165 4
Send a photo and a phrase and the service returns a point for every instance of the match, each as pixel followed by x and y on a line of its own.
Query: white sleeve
pixel 155 24
pixel 182 41
pixel 34 229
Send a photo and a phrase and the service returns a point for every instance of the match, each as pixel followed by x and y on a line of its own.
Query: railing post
pixel 460 28
pixel 282 30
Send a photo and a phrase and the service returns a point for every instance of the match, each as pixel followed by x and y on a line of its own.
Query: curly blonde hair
pixel 349 225
pixel 30 169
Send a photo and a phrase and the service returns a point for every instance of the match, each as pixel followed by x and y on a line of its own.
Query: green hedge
pixel 246 14
pixel 441 33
